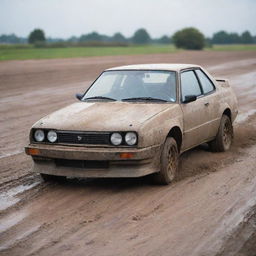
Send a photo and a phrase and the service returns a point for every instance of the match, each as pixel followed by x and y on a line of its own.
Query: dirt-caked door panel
pixel 195 116
pixel 211 103
pixel 195 122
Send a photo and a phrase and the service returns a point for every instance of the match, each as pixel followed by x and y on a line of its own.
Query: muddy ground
pixel 208 210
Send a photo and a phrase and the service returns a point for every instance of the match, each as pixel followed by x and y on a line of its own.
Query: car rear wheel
pixel 169 162
pixel 48 177
pixel 224 137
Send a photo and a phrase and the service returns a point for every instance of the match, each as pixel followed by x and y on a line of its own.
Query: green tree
pixel 118 37
pixel 189 38
pixel 12 38
pixel 164 40
pixel 141 36
pixel 234 38
pixel 221 37
pixel 246 38
pixel 37 35
pixel 91 37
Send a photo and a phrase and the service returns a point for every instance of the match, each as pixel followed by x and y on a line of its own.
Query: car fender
pixel 155 130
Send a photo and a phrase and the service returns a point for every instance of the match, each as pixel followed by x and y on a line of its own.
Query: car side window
pixel 189 84
pixel 205 81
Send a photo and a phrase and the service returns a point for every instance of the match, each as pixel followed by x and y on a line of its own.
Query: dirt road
pixel 209 210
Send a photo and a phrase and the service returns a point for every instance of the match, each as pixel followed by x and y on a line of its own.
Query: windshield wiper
pixel 100 98
pixel 144 98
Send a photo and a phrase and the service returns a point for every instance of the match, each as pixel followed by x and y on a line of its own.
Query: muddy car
pixel 134 121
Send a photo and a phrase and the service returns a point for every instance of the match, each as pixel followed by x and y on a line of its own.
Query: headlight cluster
pixel 129 138
pixel 40 135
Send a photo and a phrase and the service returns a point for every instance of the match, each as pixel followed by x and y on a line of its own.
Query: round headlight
pixel 116 138
pixel 131 138
pixel 52 136
pixel 39 135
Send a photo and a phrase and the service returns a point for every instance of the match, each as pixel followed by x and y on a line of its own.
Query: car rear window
pixel 205 82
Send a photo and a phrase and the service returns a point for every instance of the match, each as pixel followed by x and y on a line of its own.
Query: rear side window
pixel 205 81
pixel 189 84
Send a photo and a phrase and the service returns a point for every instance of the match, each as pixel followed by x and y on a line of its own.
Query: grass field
pixel 14 52
pixel 233 47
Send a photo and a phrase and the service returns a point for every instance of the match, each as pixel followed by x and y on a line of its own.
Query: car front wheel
pixel 224 137
pixel 169 162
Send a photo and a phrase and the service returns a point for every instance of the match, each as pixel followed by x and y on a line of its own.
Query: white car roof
pixel 160 66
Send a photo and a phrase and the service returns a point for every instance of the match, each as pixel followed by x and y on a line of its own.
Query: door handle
pixel 206 104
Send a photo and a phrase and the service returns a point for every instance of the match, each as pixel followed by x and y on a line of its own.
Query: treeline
pixel 12 39
pixel 222 37
pixel 141 36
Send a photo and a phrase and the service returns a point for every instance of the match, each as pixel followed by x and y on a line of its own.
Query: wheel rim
pixel 227 135
pixel 172 162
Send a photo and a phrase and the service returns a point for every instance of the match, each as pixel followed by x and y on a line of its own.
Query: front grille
pixel 84 138
pixel 86 164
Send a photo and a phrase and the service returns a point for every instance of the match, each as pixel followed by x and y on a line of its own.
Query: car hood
pixel 102 116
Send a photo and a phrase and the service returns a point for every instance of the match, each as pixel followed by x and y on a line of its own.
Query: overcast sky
pixel 64 18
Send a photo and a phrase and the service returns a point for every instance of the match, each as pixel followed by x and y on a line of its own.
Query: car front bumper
pixel 118 162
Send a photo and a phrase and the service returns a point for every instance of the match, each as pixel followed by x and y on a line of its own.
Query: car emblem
pixel 79 138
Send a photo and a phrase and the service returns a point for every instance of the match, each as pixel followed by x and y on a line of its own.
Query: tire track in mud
pixel 113 217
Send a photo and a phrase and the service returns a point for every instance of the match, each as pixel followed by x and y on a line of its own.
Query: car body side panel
pixel 202 117
pixel 155 130
pixel 226 96
pixel 212 110
pixel 196 122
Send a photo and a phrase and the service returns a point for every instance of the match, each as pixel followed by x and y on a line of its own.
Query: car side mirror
pixel 79 96
pixel 190 98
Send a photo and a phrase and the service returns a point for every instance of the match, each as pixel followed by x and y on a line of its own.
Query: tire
pixel 224 137
pixel 48 177
pixel 168 163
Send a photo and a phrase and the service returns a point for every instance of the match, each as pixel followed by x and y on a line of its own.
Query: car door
pixel 195 113
pixel 211 102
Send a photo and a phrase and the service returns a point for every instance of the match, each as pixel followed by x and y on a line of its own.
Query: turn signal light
pixel 32 151
pixel 126 155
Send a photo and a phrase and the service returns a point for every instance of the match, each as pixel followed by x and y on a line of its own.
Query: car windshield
pixel 134 85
